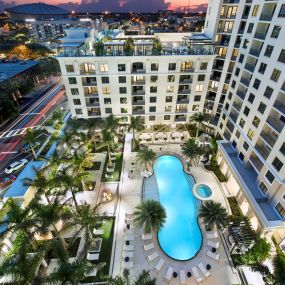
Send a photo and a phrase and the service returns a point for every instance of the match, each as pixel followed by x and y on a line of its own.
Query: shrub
pixel 279 265
pixel 214 166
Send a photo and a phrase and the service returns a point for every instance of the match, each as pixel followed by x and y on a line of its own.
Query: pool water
pixel 204 191
pixel 180 238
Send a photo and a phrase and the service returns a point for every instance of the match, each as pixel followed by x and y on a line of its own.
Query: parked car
pixel 28 147
pixel 15 166
pixel 6 181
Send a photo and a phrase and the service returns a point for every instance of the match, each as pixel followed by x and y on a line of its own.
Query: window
pixel 237 134
pixel 268 51
pixel 275 32
pixel 105 80
pixel 263 188
pixel 251 98
pixel 197 98
pixel 241 57
pixel 234 144
pixel 199 88
pixel 153 89
pixel 241 122
pixel 168 99
pixel 233 85
pixel 195 108
pixel 122 79
pixel 281 57
pixel 237 71
pixel 76 102
pixel 153 78
pixel 74 91
pixel 152 109
pixel 124 110
pixel 78 111
pixel 106 90
pixel 170 78
pixel 121 67
pixel 262 68
pixel 268 92
pixel 123 90
pixel 270 177
pixel 246 110
pixel 241 156
pixel 256 121
pixel 169 89
pixel 72 80
pixel 203 65
pixel 256 83
pixel 277 164
pixel 282 11
pixel 280 210
pixel 255 10
pixel 166 117
pixel 69 68
pixel 230 95
pixel 152 99
pixel 221 126
pixel 275 75
pixel 261 107
pixel 104 67
pixel 107 101
pixel 201 77
pixel 151 118
pixel 250 28
pixel 282 149
pixel 250 134
pixel 108 110
pixel 172 66
pixel 227 106
pixel 154 66
pixel 245 146
pixel 123 100
pixel 224 116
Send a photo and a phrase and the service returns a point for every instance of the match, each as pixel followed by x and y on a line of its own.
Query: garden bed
pixel 118 168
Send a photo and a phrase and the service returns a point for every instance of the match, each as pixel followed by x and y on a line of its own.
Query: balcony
pixel 89 81
pixel 250 67
pixel 260 36
pixel 138 82
pixel 138 92
pixel 181 110
pixel 93 104
pixel 138 111
pixel 91 94
pixel 186 80
pixel 182 101
pixel 263 150
pixel 237 106
pixel 192 69
pixel 233 116
pixel 254 52
pixel 265 17
pixel 180 118
pixel 256 162
pixel 241 94
pixel 280 107
pixel 138 102
pixel 245 81
pixel 269 138
pixel 275 123
pixel 94 113
pixel 138 70
pixel 184 91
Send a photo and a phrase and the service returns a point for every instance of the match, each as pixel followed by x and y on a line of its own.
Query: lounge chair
pixel 111 168
pixel 129 216
pixel 147 236
pixel 196 274
pixel 212 255
pixel 129 237
pixel 148 246
pixel 130 232
pixel 204 270
pixel 108 176
pixel 98 232
pixel 113 157
pixel 213 244
pixel 92 256
pixel 129 264
pixel 128 247
pixel 159 265
pixel 129 219
pixel 212 234
pixel 168 274
pixel 182 277
pixel 127 254
pixel 152 256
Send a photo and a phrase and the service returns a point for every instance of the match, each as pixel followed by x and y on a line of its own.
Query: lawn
pixel 106 250
pixel 118 169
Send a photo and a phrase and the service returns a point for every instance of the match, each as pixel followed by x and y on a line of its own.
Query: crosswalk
pixel 17 132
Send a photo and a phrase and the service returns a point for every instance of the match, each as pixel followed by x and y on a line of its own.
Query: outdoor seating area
pixel 163 137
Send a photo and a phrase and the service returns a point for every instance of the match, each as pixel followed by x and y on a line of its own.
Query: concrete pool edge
pixel 195 192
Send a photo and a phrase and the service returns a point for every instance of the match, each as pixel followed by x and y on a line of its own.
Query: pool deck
pixel 130 191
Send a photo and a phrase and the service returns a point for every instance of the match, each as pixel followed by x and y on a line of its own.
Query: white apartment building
pixel 166 88
pixel 247 89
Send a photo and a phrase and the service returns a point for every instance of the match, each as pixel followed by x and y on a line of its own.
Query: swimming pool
pixel 202 192
pixel 180 238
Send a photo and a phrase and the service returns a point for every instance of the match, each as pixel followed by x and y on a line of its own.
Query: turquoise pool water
pixel 180 238
pixel 204 191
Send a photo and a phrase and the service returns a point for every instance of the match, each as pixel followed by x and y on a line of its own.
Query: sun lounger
pixel 98 232
pixel 182 276
pixel 204 270
pixel 128 247
pixel 159 265
pixel 129 264
pixel 147 236
pixel 129 237
pixel 212 235
pixel 169 273
pixel 148 246
pixel 152 256
pixel 212 255
pixel 130 232
pixel 213 244
pixel 109 176
pixel 197 275
pixel 92 256
pixel 129 216
pixel 110 168
pixel 127 254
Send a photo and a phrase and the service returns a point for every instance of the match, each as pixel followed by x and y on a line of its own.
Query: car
pixel 27 147
pixel 6 181
pixel 15 166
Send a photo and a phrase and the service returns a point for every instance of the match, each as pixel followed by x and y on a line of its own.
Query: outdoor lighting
pixel 30 20
pixel 85 20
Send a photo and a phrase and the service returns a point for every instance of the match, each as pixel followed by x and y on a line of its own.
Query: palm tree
pixel 213 213
pixel 145 279
pixel 136 125
pixel 150 215
pixel 198 118
pixel 108 140
pixel 146 157
pixel 111 123
pixel 191 150
pixel 31 138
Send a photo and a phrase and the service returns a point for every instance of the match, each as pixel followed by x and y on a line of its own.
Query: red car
pixel 6 181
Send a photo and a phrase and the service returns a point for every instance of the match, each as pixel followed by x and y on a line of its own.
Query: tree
pixel 191 150
pixel 150 215
pixel 129 46
pixel 213 213
pixel 111 124
pixel 146 157
pixel 31 138
pixel 99 48
pixel 136 125
pixel 108 140
pixel 157 46
pixel 198 118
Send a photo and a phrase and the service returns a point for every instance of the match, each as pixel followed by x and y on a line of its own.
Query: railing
pixel 138 112
pixel 184 110
pixel 138 102
pixel 249 67
pixel 89 83
pixel 182 101
pixel 138 82
pixel 183 119
pixel 246 82
pixel 94 94
pixel 260 36
pixel 256 163
pixel 265 17
pixel 268 138
pixel 240 94
pixel 184 91
pixel 138 71
pixel 186 81
pixel 237 106
pixel 280 107
pixel 263 151
pixel 275 124
pixel 254 52
pixel 93 104
pixel 138 92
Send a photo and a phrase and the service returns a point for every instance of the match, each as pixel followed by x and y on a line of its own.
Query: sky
pixel 127 5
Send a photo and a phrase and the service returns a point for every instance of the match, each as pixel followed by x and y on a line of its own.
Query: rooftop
pixel 37 9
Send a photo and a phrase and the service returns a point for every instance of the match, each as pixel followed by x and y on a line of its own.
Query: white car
pixel 15 166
